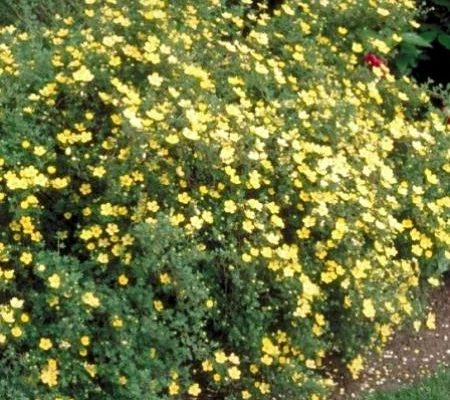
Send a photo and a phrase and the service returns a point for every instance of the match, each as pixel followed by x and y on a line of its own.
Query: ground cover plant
pixel 435 387
pixel 206 199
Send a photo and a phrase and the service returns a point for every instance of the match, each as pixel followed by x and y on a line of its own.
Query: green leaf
pixel 415 39
pixel 410 50
pixel 443 3
pixel 429 36
pixel 404 63
pixel 443 265
pixel 444 39
pixel 430 27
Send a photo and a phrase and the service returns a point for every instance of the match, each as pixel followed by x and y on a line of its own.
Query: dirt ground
pixel 407 357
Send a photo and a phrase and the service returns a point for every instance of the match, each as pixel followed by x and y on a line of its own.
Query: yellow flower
pixel 342 30
pixel 39 150
pixel 91 369
pixel 194 389
pixel 234 359
pixel 26 258
pixel 266 359
pixel 196 222
pixel 269 348
pixel 368 308
pixel 397 38
pixel 317 330
pixel 431 321
pixel 407 223
pixel 355 366
pixel 357 48
pixel 261 68
pixel 123 280
pixel 54 281
pixel 158 305
pixel 90 299
pixel 165 278
pixel 49 374
pixel 155 79
pixel 45 344
pixel 245 394
pixel 98 171
pixel 172 138
pixel 16 332
pixel 85 189
pixel 184 198
pixel 174 388
pixel 230 207
pixel 83 75
pixel 152 206
pixel 383 12
pixel 85 340
pixel 220 357
pixel 103 258
pixel 7 316
pixel 16 303
pixel 190 134
pixel 207 366
pixel 264 388
pixel 234 373
pixel 117 322
pixel 25 318
pixel 288 10
pixel 433 281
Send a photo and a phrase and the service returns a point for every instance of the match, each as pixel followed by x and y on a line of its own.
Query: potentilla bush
pixel 27 13
pixel 207 199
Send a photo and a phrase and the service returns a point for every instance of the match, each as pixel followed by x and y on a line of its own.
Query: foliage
pixel 430 388
pixel 436 24
pixel 206 199
pixel 430 34
pixel 26 13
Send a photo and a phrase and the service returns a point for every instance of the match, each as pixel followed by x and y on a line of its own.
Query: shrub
pixel 27 13
pixel 204 201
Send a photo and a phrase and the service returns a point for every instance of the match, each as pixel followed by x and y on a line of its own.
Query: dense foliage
pixel 426 44
pixel 435 29
pixel 207 199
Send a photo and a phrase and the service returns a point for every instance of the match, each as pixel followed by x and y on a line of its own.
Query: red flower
pixel 373 60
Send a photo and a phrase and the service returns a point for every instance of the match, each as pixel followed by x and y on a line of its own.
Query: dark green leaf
pixel 430 27
pixel 409 50
pixel 415 39
pixel 443 3
pixel 429 36
pixel 403 63
pixel 444 39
